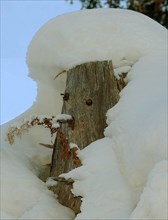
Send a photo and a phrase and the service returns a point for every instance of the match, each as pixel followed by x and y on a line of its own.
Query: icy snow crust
pixel 124 175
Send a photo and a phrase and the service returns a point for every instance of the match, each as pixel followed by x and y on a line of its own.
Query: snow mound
pixel 124 174
pixel 105 193
pixel 122 36
pixel 153 201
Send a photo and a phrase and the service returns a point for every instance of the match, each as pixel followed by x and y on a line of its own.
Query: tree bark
pixel 91 89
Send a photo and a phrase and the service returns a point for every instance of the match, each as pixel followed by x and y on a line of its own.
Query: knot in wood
pixel 65 96
pixel 89 102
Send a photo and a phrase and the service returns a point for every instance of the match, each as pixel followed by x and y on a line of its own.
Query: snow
pixel 24 195
pixel 120 70
pixel 153 201
pixel 137 125
pixel 51 182
pixel 73 145
pixel 62 117
pixel 99 182
pixel 124 175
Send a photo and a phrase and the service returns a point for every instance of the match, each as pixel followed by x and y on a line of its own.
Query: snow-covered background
pixel 124 175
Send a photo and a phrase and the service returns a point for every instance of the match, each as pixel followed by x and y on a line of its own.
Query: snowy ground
pixel 124 175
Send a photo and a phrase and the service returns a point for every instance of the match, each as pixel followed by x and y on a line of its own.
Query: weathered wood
pixel 91 89
pixel 65 196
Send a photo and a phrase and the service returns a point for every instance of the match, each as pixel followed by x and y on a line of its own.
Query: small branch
pixel 50 122
pixel 64 71
pixel 47 145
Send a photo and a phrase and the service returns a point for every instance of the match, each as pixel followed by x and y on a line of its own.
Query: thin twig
pixel 64 71
pixel 47 145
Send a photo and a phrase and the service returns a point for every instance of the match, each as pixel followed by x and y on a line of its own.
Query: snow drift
pixel 124 175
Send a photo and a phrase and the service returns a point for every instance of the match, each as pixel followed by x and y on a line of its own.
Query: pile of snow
pixel 124 175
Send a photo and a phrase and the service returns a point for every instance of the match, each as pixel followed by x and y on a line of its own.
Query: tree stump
pixel 91 89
